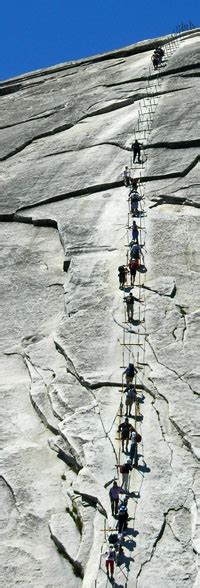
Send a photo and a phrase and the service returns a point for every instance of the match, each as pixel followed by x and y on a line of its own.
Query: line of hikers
pixel 119 506
pixel 128 434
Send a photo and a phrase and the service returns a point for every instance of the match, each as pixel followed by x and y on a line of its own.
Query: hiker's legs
pixel 112 505
pixel 116 502
pixel 129 406
pixel 132 452
pixel 131 312
pixel 127 441
pixel 136 457
pixel 111 562
pixel 125 481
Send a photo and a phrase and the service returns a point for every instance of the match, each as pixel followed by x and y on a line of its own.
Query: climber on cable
pixel 155 60
pixel 136 147
pixel 135 232
pixel 126 175
pixel 129 300
pixel 122 274
pixel 135 198
pixel 136 251
pixel 134 183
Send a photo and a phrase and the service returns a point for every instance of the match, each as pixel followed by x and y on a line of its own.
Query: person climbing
pixel 110 561
pixel 159 53
pixel 130 372
pixel 136 147
pixel 114 497
pixel 129 300
pixel 115 539
pixel 134 440
pixel 126 175
pixel 133 446
pixel 135 232
pixel 135 198
pixel 155 60
pixel 125 429
pixel 122 518
pixel 125 470
pixel 134 183
pixel 136 252
pixel 133 266
pixel 122 273
pixel 130 392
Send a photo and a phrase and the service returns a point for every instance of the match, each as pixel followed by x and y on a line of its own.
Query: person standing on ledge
pixel 136 147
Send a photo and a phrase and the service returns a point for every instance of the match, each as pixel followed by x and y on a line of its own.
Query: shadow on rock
pixel 143 468
pixel 126 560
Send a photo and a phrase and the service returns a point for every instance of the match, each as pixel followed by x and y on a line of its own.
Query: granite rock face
pixel 65 138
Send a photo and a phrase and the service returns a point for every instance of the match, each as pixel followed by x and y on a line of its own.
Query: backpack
pixel 122 469
pixel 130 371
pixel 113 538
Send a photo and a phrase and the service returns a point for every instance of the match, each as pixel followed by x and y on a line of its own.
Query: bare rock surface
pixel 66 136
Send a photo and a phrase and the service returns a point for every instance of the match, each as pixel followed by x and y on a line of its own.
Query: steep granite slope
pixel 65 139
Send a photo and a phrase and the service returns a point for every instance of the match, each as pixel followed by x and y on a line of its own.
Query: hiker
pixel 129 300
pixel 130 392
pixel 133 446
pixel 122 518
pixel 135 198
pixel 122 272
pixel 134 183
pixel 110 561
pixel 125 429
pixel 125 469
pixel 115 539
pixel 136 147
pixel 134 440
pixel 126 175
pixel 136 251
pixel 135 232
pixel 114 497
pixel 155 60
pixel 159 53
pixel 130 372
pixel 133 266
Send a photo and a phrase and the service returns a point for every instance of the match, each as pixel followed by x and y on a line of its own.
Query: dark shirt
pixel 126 429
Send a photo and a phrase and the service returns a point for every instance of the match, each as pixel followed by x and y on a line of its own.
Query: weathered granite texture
pixel 65 138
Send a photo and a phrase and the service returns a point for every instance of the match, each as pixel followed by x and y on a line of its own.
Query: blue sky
pixel 45 32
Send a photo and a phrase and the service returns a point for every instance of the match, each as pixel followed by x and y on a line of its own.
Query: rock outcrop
pixel 65 138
